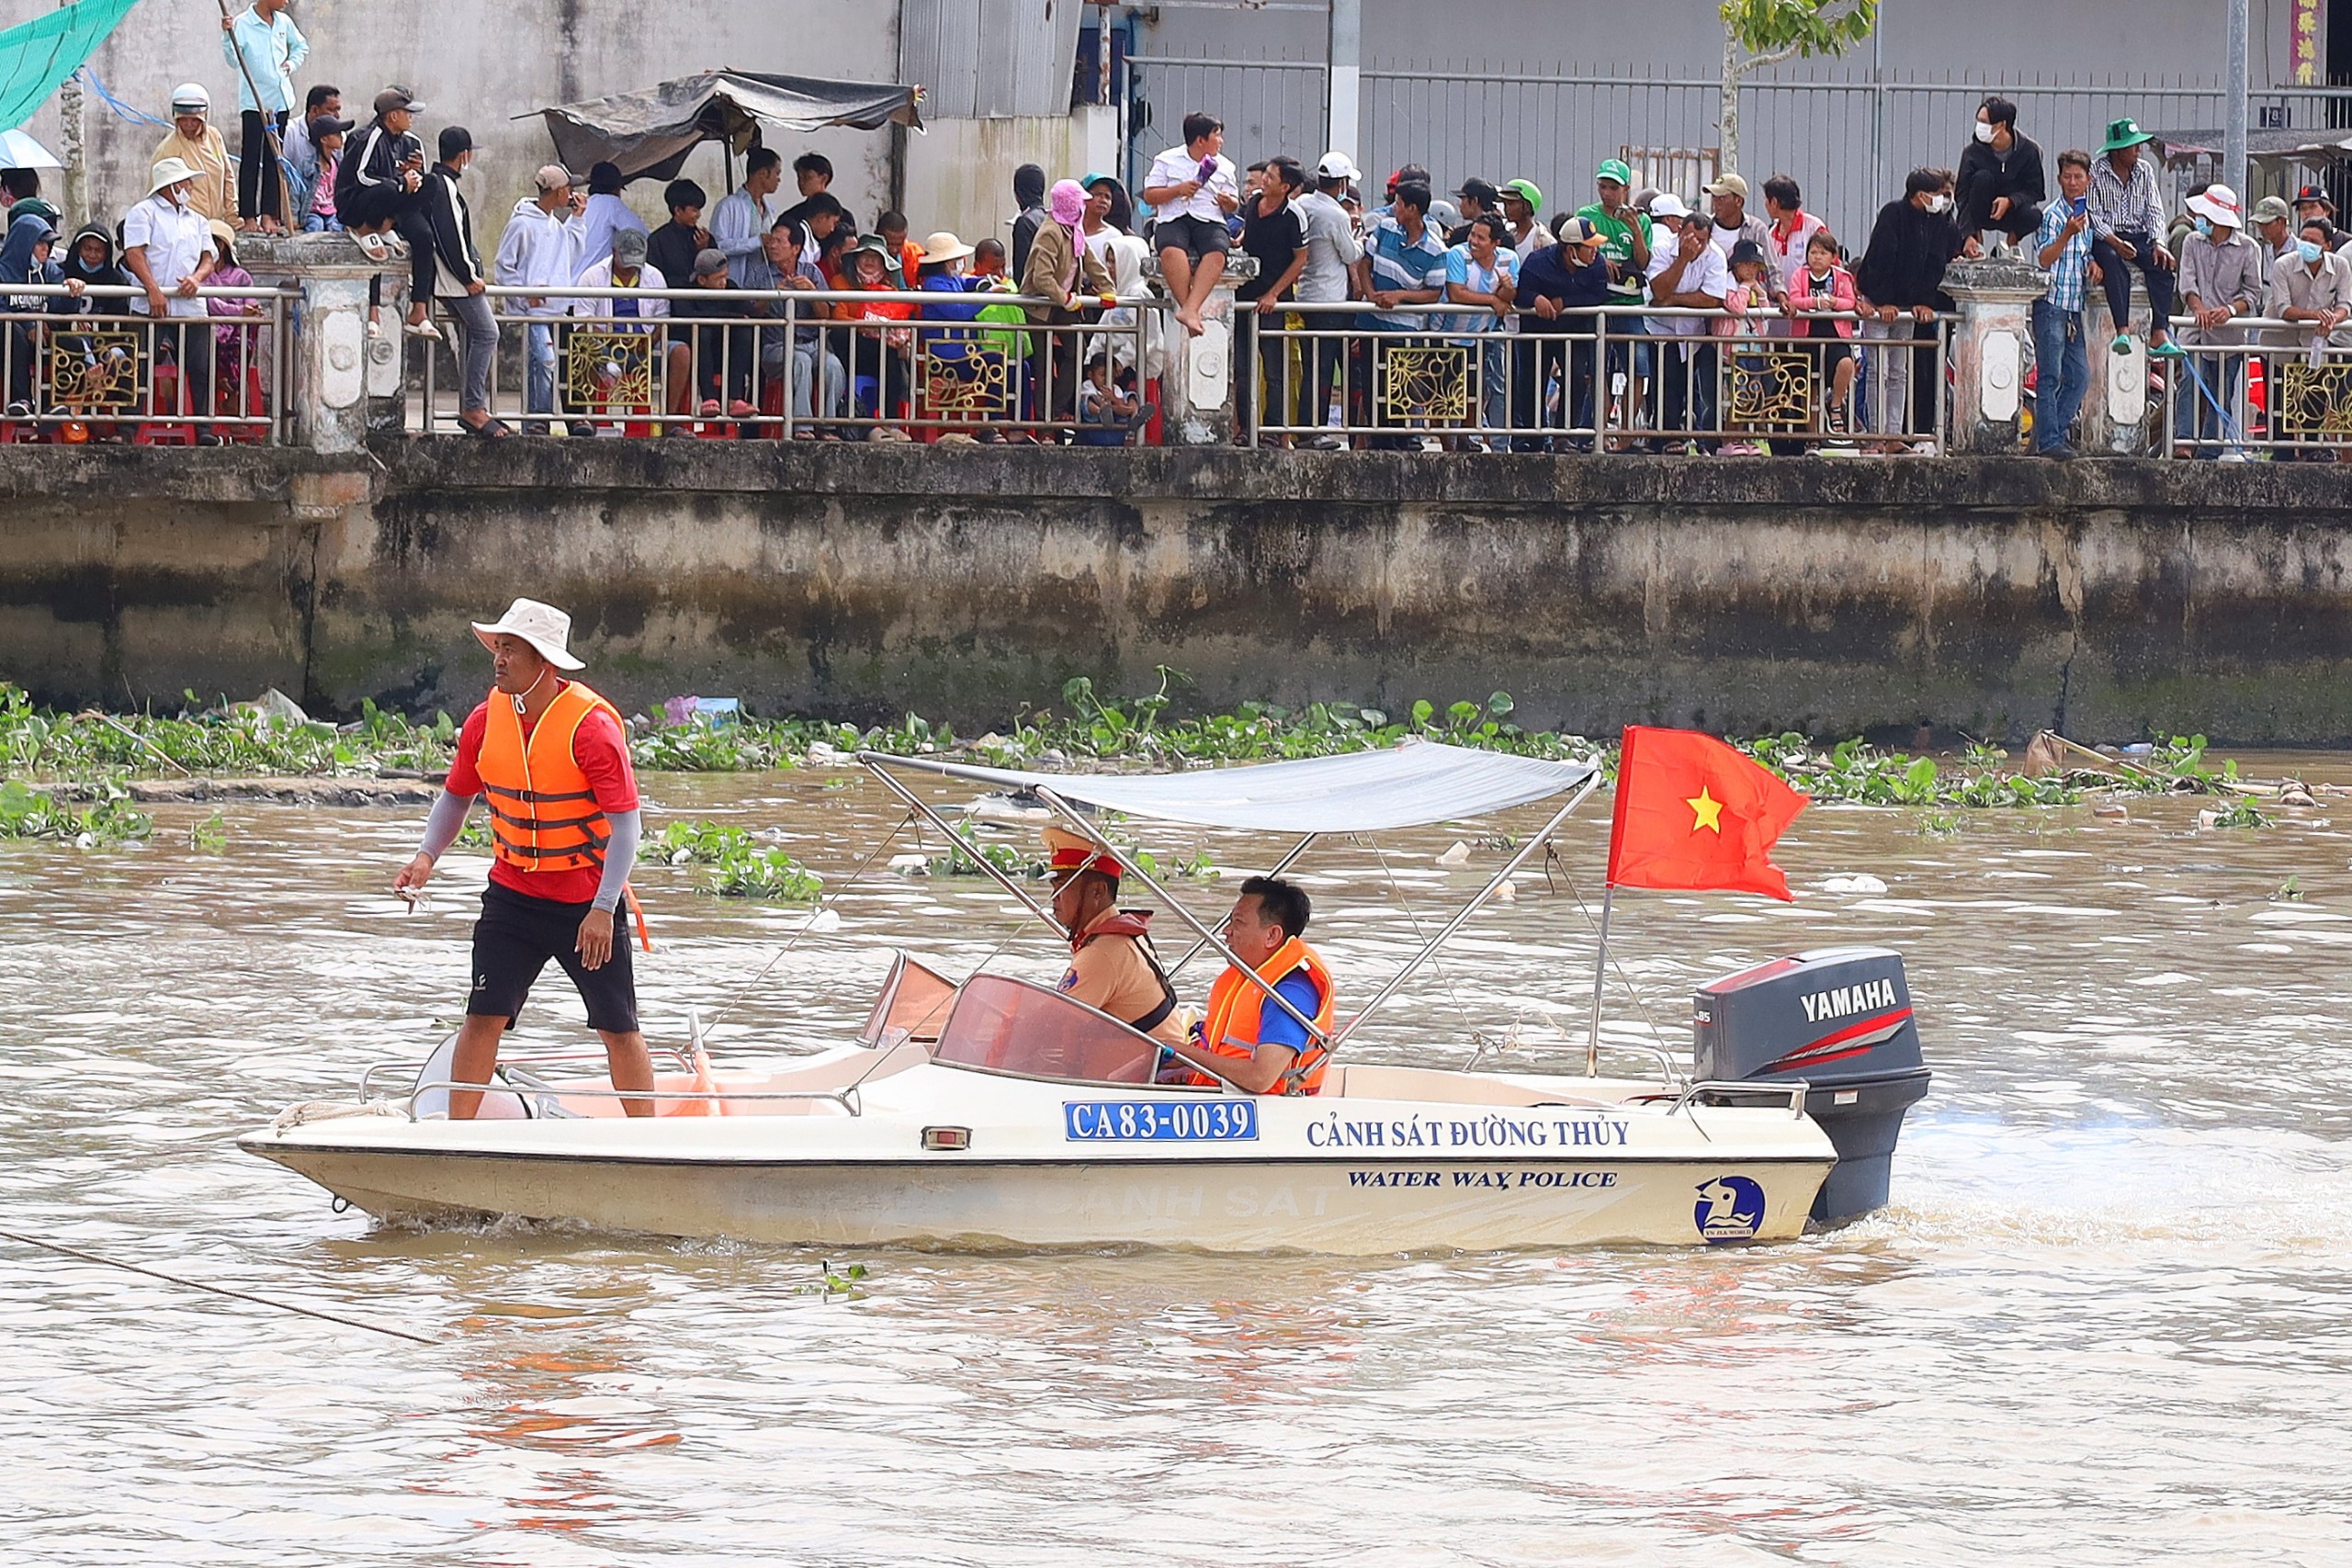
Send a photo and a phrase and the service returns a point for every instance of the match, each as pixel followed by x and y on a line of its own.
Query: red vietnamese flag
pixel 1694 813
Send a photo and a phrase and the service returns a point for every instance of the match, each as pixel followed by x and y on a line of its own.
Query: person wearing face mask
pixel 167 248
pixel 1900 285
pixel 2001 184
pixel 2127 215
pixel 2311 291
pixel 2221 277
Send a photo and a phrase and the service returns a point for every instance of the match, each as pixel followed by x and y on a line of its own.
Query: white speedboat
pixel 995 1112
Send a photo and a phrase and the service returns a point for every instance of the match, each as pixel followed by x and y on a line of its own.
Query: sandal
pixel 488 430
pixel 373 245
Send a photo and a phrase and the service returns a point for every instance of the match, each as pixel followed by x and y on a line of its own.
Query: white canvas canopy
pixel 1410 784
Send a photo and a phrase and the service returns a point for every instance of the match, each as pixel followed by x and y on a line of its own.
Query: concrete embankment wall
pixel 1989 597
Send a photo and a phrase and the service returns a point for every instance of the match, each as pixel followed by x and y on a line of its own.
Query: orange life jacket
pixel 1236 1008
pixel 543 812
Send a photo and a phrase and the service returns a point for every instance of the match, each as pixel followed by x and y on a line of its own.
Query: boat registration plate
pixel 1157 1121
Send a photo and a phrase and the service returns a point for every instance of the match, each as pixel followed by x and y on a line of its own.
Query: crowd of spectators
pixel 1621 319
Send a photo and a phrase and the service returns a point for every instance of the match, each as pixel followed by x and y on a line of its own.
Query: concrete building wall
pixel 2113 599
pixel 477 63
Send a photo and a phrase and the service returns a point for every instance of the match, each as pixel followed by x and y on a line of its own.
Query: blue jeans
pixel 2063 373
pixel 318 223
pixel 540 392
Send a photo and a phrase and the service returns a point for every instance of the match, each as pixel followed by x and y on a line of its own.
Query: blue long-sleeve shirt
pixel 272 51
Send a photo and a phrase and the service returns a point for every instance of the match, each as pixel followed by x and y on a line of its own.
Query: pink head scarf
pixel 1068 203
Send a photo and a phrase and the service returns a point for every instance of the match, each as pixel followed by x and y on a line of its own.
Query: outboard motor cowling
pixel 1839 1020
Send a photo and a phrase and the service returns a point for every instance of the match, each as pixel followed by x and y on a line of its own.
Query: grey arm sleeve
pixel 441 829
pixel 620 854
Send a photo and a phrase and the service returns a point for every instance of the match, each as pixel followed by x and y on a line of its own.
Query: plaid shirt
pixel 2068 274
pixel 2120 208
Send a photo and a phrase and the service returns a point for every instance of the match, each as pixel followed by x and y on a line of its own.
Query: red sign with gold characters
pixel 2305 44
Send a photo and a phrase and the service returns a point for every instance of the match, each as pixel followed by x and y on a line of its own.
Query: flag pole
pixel 1600 971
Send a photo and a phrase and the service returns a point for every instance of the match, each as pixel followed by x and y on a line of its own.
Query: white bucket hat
pixel 169 172
pixel 2218 204
pixel 543 626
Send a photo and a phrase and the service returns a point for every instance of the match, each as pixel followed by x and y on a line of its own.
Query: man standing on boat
pixel 1248 1039
pixel 553 758
pixel 1112 967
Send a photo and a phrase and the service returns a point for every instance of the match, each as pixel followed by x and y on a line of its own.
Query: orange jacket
pixel 1236 1010
pixel 543 815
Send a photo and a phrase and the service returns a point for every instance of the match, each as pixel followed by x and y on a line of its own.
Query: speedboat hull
pixel 1061 1165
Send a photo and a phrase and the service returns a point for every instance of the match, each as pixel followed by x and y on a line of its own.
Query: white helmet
pixel 189 98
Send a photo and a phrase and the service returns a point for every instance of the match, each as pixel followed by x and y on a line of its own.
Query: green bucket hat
pixel 1614 169
pixel 2122 133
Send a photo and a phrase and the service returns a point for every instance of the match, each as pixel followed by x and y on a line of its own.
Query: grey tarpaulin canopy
pixel 1407 785
pixel 649 132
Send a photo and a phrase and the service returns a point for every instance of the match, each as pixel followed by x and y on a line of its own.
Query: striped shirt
pixel 2069 274
pixel 1399 265
pixel 2119 207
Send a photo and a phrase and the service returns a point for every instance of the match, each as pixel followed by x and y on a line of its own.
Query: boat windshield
pixel 1005 1025
pixel 911 1005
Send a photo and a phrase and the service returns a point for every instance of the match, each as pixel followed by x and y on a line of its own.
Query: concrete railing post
pixel 341 382
pixel 1990 345
pixel 1197 403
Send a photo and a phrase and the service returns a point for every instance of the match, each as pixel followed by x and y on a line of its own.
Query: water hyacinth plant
pixel 741 865
pixel 38 746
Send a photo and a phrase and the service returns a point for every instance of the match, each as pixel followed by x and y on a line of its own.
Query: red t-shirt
pixel 602 755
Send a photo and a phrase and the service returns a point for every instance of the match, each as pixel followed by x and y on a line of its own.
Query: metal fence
pixel 1847 137
pixel 2284 391
pixel 809 364
pixel 80 366
pixel 1617 379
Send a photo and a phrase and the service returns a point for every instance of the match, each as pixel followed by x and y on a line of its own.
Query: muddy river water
pixel 2107 1318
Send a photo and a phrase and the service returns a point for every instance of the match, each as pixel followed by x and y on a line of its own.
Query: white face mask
pixel 1940 203
pixel 1983 130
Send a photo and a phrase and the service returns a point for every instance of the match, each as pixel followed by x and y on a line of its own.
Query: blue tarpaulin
pixel 36 58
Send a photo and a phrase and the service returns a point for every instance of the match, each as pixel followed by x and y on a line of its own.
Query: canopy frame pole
pixel 1464 914
pixel 922 809
pixel 1078 822
pixel 1600 978
pixel 1280 866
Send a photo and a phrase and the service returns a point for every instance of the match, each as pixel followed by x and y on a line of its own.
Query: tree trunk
pixel 1728 124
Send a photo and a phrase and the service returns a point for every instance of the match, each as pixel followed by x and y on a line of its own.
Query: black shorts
pixel 1196 237
pixel 513 942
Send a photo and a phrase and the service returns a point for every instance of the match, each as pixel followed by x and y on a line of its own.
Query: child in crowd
pixel 1744 304
pixel 987 265
pixel 232 336
pixel 1824 284
pixel 326 135
pixel 1108 411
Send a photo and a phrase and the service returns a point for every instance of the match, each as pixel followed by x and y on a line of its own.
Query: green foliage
pixel 209 837
pixel 965 855
pixel 28 812
pixel 740 866
pixel 2240 814
pixel 1799 27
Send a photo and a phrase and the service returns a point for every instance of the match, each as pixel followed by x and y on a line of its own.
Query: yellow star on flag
pixel 1706 811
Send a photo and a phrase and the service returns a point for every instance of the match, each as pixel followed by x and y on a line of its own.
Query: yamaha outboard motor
pixel 1840 1020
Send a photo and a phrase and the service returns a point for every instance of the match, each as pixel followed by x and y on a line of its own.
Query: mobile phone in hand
pixel 1208 170
pixel 2081 205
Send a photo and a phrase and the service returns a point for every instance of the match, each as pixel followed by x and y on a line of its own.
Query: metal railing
pixel 84 367
pixel 1618 379
pixel 2281 390
pixel 796 364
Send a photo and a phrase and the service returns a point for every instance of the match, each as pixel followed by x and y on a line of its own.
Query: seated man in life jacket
pixel 1112 966
pixel 1248 1039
